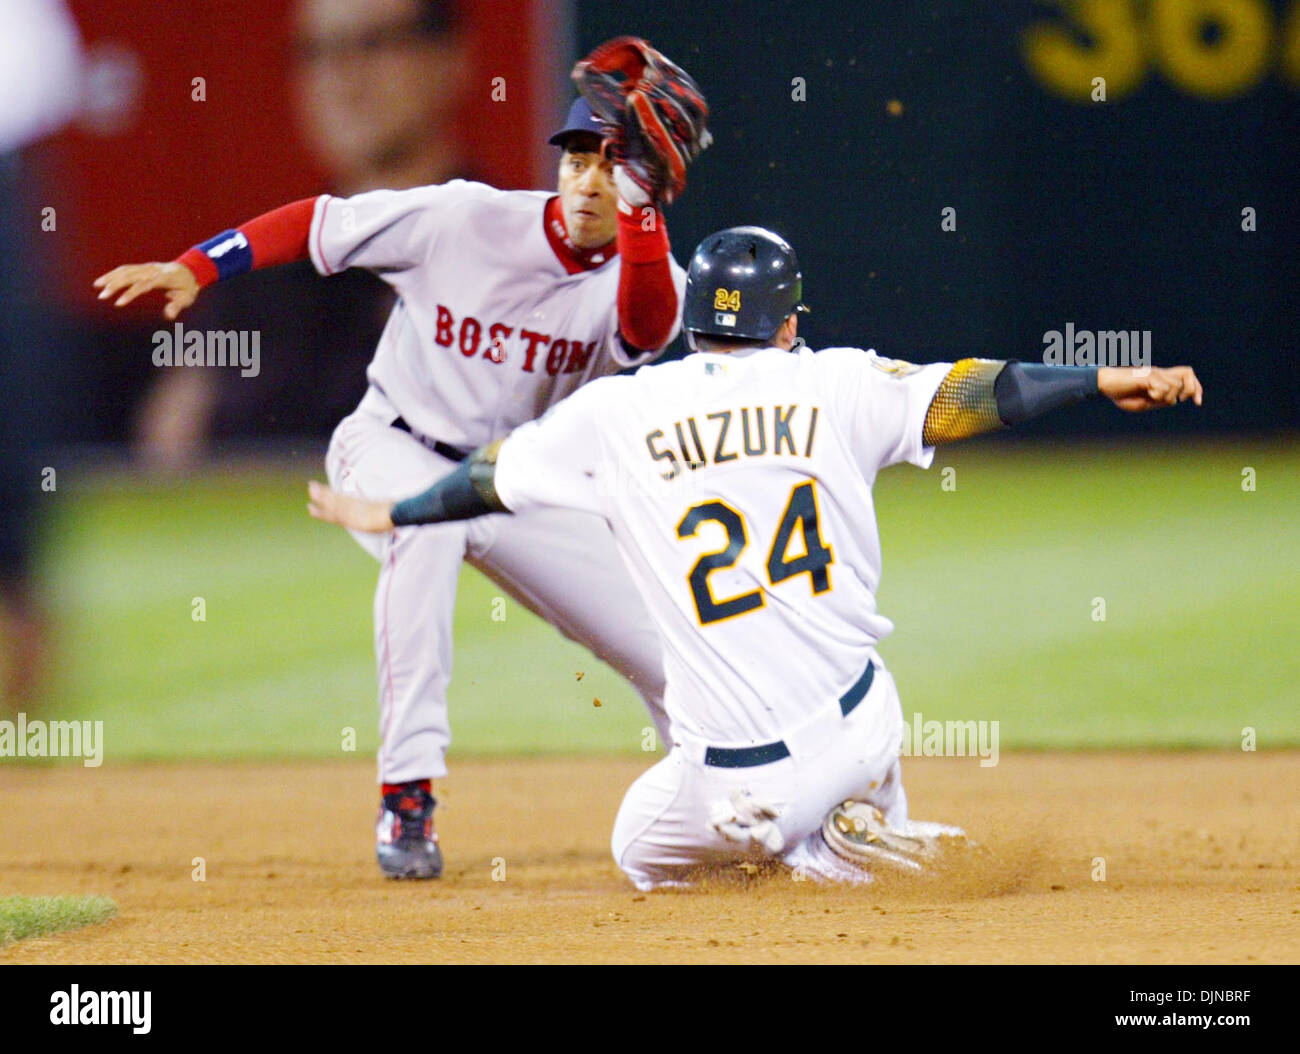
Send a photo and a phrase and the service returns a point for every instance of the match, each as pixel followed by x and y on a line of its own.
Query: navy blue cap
pixel 581 119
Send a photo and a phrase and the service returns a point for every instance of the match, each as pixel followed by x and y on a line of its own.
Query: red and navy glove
pixel 653 110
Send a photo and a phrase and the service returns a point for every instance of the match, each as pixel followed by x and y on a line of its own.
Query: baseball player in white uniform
pixel 738 483
pixel 508 302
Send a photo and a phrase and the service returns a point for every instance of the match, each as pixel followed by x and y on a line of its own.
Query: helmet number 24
pixel 800 515
pixel 726 300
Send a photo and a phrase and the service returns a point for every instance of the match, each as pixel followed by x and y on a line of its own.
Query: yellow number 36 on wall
pixel 1214 49
pixel 726 301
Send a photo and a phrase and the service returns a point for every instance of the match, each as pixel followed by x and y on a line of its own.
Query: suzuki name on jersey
pixel 716 438
pixel 471 338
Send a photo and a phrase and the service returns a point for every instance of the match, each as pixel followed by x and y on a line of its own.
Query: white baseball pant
pixel 560 564
pixel 665 830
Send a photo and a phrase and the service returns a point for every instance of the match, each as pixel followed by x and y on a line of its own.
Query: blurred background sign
pixel 199 115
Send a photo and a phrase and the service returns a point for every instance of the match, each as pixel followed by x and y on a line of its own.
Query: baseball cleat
pixel 858 832
pixel 407 846
pixel 814 860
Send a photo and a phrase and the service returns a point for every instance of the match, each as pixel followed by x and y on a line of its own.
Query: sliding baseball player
pixel 738 483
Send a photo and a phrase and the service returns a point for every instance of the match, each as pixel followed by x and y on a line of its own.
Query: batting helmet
pixel 742 283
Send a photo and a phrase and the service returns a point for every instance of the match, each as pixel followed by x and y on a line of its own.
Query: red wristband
pixel 205 271
pixel 275 237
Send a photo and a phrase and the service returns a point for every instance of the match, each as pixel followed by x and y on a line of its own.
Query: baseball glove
pixel 654 112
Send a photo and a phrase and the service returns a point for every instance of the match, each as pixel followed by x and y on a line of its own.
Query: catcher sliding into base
pixel 738 484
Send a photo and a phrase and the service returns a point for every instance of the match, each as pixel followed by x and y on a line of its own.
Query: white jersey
pixel 738 488
pixel 490 328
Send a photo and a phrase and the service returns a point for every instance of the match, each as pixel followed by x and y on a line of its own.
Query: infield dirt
pixel 1093 858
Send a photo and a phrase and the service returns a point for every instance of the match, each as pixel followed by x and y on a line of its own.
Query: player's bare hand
pixel 131 280
pixel 356 514
pixel 1146 388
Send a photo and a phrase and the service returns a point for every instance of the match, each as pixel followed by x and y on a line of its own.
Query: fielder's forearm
pixel 277 237
pixel 467 492
pixel 983 395
pixel 647 297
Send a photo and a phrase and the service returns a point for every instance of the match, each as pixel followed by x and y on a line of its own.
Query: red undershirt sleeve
pixel 276 237
pixel 647 297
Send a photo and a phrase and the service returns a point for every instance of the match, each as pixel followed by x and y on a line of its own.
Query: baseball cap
pixel 580 119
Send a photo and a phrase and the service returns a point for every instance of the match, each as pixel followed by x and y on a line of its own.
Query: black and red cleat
pixel 407 846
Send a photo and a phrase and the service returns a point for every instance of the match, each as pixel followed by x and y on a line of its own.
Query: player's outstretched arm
pixel 983 395
pixel 354 514
pixel 655 119
pixel 465 493
pixel 275 237
pixel 1149 388
pixel 132 280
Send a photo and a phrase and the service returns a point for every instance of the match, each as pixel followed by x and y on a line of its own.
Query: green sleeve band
pixel 468 491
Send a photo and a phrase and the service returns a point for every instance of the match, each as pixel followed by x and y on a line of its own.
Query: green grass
pixel 23 917
pixel 991 586
pixel 282 663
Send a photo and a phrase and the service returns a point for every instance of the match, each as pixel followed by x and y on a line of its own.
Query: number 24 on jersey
pixel 800 515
